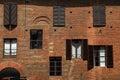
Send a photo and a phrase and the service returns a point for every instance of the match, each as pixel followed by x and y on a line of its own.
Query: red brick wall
pixel 34 64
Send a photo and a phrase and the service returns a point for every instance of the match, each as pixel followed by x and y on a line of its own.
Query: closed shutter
pixel 6 14
pixel 68 49
pixel 90 58
pixel 99 16
pixel 85 49
pixel 59 16
pixel 13 14
pixel 109 56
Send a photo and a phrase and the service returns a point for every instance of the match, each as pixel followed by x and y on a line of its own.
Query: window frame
pixel 37 41
pixel 10 54
pixel 55 63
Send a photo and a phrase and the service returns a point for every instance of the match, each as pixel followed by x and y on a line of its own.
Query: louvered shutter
pixel 59 16
pixel 99 16
pixel 90 58
pixel 109 56
pixel 6 14
pixel 85 49
pixel 13 14
pixel 68 50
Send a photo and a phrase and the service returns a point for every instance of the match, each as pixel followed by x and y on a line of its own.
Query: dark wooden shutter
pixel 90 58
pixel 109 56
pixel 6 14
pixel 99 16
pixel 68 50
pixel 59 16
pixel 13 14
pixel 85 49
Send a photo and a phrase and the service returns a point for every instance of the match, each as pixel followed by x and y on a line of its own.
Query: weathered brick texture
pixel 38 14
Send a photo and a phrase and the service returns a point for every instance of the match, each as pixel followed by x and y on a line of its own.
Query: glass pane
pixel 102 63
pixel 33 44
pixel 73 51
pixel 52 73
pixel 58 68
pixel 58 64
pixel 13 52
pixel 7 44
pixel 33 34
pixel 52 63
pixel 52 69
pixel 102 58
pixel 58 73
pixel 79 51
pixel 14 44
pixel 39 45
pixel 6 52
pixel 39 35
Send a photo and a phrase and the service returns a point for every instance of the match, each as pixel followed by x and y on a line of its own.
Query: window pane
pixel 33 44
pixel 39 35
pixel 13 44
pixel 102 63
pixel 58 64
pixel 52 63
pixel 79 50
pixel 52 69
pixel 6 52
pixel 39 45
pixel 58 73
pixel 52 73
pixel 58 68
pixel 102 58
pixel 7 44
pixel 13 52
pixel 73 51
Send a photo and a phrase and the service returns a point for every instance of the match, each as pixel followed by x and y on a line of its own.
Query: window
pixel 59 16
pixel 10 15
pixel 10 47
pixel 36 39
pixel 100 56
pixel 99 16
pixel 76 48
pixel 55 66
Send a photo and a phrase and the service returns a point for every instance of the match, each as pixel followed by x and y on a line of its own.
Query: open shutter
pixel 13 14
pixel 85 49
pixel 59 16
pixel 68 49
pixel 109 56
pixel 99 16
pixel 6 14
pixel 90 58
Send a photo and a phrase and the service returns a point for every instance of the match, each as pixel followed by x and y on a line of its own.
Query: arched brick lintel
pixel 11 64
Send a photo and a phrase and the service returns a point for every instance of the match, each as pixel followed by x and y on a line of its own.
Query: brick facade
pixel 38 14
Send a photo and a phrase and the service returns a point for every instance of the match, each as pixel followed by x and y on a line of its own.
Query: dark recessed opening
pixel 89 27
pixel 70 11
pixel 110 11
pixel 110 26
pixel 54 29
pixel 88 11
pixel 71 27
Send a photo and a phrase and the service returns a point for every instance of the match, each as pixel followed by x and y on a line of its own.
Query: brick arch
pixel 11 64
pixel 42 18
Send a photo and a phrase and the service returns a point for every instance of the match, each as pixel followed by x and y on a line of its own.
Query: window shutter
pixel 90 58
pixel 59 16
pixel 99 16
pixel 68 49
pixel 6 14
pixel 85 49
pixel 13 14
pixel 109 56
